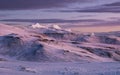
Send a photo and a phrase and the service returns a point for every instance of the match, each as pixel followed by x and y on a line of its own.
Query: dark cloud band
pixel 35 4
pixel 113 7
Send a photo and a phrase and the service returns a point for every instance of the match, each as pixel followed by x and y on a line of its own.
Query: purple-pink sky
pixel 74 12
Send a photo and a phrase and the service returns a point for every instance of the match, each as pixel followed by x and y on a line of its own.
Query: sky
pixel 72 12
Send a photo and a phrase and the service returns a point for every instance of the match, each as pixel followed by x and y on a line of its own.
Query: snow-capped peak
pixel 37 25
pixel 92 34
pixel 56 27
pixel 53 28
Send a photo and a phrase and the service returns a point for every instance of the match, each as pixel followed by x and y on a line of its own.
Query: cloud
pixel 48 4
pixel 113 4
pixel 52 20
pixel 35 4
pixel 112 7
pixel 3 15
pixel 109 23
pixel 79 22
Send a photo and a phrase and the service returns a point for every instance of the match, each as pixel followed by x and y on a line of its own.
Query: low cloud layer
pixel 52 20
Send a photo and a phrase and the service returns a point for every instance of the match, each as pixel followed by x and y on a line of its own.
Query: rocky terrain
pixel 51 44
